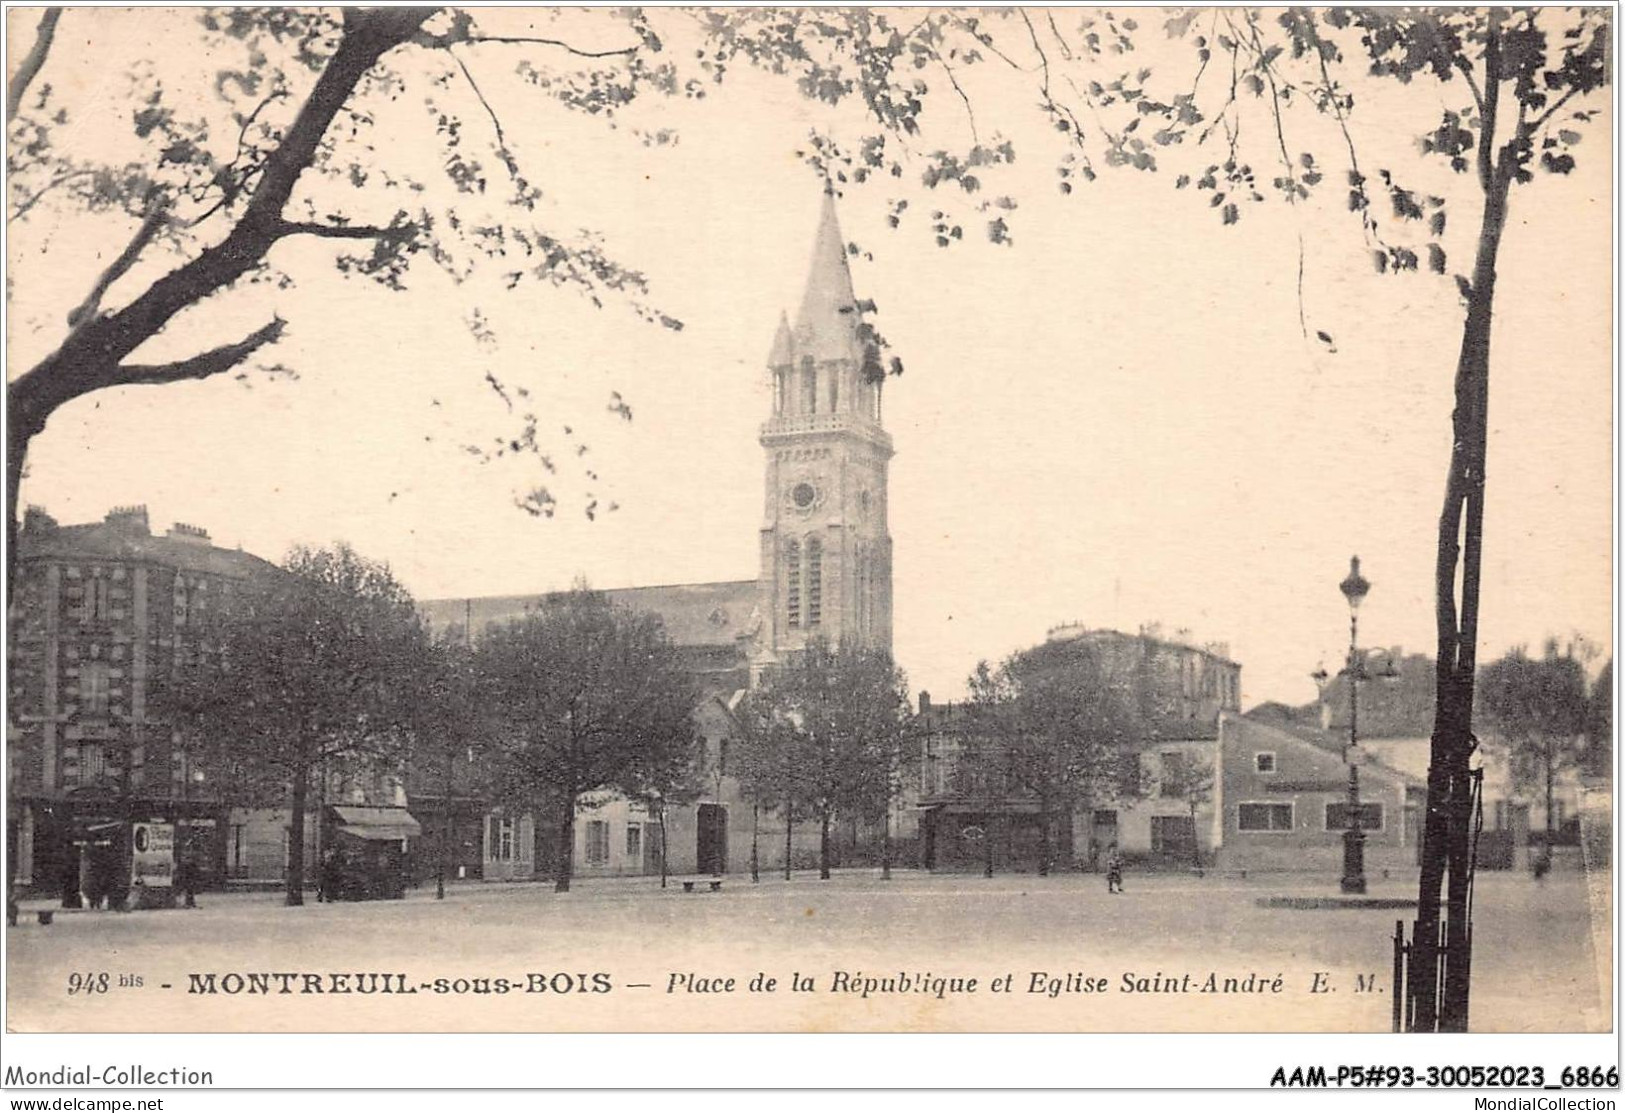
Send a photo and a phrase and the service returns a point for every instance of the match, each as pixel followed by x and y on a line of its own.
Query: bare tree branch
pixel 342 231
pixel 502 140
pixel 210 363
pixel 32 62
pixel 970 113
pixel 1465 65
pixel 157 210
pixel 625 51
pixel 461 35
pixel 233 182
pixel 34 199
pixel 1533 128
pixel 89 359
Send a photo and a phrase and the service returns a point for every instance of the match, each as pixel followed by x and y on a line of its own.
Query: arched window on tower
pixel 792 583
pixel 815 581
pixel 809 385
pixel 834 390
pixel 778 392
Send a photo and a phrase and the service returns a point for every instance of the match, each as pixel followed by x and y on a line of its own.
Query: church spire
pixel 783 352
pixel 827 325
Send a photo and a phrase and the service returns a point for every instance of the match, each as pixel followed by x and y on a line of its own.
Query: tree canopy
pixel 1053 725
pixel 584 699
pixel 823 736
pixel 300 678
pixel 1537 707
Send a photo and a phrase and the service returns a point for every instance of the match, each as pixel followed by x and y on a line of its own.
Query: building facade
pixel 1161 805
pixel 100 614
pixel 1285 801
pixel 1394 731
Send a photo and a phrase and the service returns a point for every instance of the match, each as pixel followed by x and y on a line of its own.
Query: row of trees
pixel 329 673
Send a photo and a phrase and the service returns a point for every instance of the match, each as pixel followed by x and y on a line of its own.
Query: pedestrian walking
pixel 1114 870
pixel 327 876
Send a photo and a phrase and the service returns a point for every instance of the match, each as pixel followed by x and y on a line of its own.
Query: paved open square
pixel 942 952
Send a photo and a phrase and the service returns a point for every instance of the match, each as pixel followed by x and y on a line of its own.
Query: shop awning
pixel 378 824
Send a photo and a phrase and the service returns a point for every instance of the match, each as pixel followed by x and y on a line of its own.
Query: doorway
pixel 711 849
pixel 1102 835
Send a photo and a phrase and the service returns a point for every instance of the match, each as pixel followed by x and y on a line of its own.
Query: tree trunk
pixel 987 847
pixel 445 835
pixel 296 837
pixel 823 845
pixel 755 842
pixel 1044 850
pixel 789 834
pixel 1446 835
pixel 564 853
pixel 660 815
pixel 1551 825
pixel 885 844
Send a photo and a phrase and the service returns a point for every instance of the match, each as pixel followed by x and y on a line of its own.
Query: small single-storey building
pixel 1284 802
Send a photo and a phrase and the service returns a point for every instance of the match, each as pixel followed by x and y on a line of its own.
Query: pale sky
pixel 1114 421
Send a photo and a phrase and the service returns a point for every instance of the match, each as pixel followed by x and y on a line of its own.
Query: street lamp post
pixel 1354 588
pixel 184 829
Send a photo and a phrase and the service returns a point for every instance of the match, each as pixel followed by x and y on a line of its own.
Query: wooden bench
pixel 714 882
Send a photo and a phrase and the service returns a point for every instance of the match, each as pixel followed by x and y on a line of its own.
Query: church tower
pixel 826 548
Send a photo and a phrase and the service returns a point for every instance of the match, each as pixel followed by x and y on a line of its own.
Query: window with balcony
pixel 92 762
pixel 93 687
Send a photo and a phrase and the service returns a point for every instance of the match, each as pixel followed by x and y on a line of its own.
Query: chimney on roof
pixel 36 520
pixel 129 519
pixel 191 535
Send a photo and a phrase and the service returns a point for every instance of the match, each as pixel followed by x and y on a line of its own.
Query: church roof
pixel 695 615
pixel 827 324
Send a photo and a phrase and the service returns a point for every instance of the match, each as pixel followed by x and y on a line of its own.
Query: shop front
pixel 366 852
pixel 81 847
